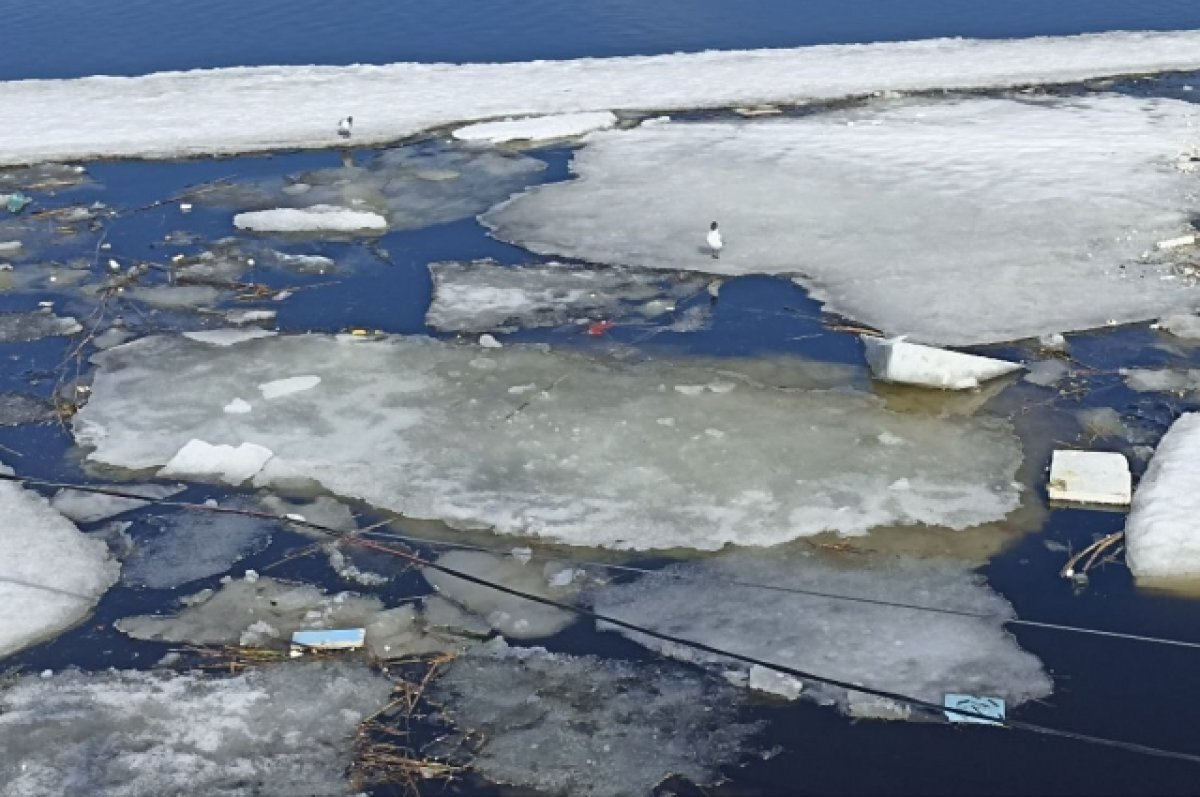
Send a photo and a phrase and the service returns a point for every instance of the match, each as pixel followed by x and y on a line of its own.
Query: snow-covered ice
pixel 51 575
pixel 897 360
pixel 276 731
pixel 436 431
pixel 224 111
pixel 921 654
pixel 536 128
pixel 485 295
pixel 312 219
pixel 868 207
pixel 562 725
pixel 1161 537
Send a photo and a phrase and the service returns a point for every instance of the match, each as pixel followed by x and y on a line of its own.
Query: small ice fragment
pixel 489 342
pixel 237 407
pixel 251 576
pixel 185 207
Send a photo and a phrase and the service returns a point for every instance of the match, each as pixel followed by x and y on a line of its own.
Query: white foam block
pixel 1090 477
pixel 897 360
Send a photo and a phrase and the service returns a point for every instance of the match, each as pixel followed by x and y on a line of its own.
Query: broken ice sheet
pixel 527 441
pixel 484 295
pixel 274 731
pixel 21 408
pixel 867 207
pixel 921 654
pixel 188 545
pixel 87 507
pixel 590 727
pixel 24 327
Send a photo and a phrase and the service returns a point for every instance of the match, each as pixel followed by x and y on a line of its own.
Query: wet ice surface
pixel 50 575
pixel 582 725
pixel 88 507
pixel 281 730
pixel 527 441
pixel 887 212
pixel 923 655
pixel 188 545
pixel 484 295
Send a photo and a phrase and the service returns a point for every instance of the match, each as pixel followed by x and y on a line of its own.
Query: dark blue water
pixel 69 38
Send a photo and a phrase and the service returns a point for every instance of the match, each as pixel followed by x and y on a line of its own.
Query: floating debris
pixel 897 360
pixel 1090 477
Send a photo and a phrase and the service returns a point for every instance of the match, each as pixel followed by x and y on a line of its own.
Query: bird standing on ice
pixel 714 240
pixel 344 126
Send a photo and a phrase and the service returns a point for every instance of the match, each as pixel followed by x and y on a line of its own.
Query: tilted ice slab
pixel 1161 537
pixel 526 441
pixel 277 731
pixel 920 654
pixel 953 222
pixel 223 111
pixel 482 295
pixel 537 128
pixel 51 575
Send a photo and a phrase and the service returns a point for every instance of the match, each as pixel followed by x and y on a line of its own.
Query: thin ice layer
pixel 920 654
pixel 1161 537
pixel 225 111
pixel 580 725
pixel 188 545
pixel 50 575
pixel 900 215
pixel 275 731
pixel 484 295
pixel 526 441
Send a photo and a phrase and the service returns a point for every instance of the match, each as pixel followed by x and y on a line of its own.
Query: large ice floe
pixel 581 725
pixel 900 214
pixel 283 730
pixel 221 111
pixel 916 653
pixel 51 575
pixel 1161 539
pixel 529 441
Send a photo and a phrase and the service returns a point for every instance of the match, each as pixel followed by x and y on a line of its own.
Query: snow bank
pixel 273 731
pixel 867 208
pixel 223 111
pixel 50 575
pixel 527 441
pixel 317 218
pixel 537 128
pixel 1161 539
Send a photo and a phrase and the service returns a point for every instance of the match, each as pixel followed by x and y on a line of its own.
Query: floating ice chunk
pixel 1160 536
pixel 87 507
pixel 175 295
pixel 1090 477
pixel 921 654
pixel 773 682
pixel 1181 326
pixel 200 460
pixel 1053 341
pixel 50 575
pixel 238 407
pixel 869 217
pixel 407 424
pixel 897 360
pixel 21 408
pixel 249 316
pixel 537 128
pixel 1045 373
pixel 591 727
pixel 22 327
pixel 318 218
pixel 175 114
pixel 227 337
pixel 272 731
pixel 188 545
pixel 10 248
pixel 1148 380
pixel 286 387
pixel 489 342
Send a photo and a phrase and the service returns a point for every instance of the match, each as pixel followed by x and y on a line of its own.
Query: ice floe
pixel 485 295
pixel 1164 380
pixel 921 654
pixel 441 431
pixel 1161 539
pixel 188 545
pixel 174 114
pixel 866 208
pixel 581 725
pixel 50 575
pixel 536 128
pixel 273 731
pixel 20 408
pixel 22 327
pixel 315 218
pixel 87 507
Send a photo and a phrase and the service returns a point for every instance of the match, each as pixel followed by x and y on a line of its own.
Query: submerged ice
pixel 900 214
pixel 529 441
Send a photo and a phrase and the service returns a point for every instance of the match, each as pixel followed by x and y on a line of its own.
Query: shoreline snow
pixel 255 109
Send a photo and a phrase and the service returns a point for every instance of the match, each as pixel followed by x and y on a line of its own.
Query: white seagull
pixel 714 240
pixel 344 126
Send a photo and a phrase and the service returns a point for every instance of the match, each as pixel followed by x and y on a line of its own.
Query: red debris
pixel 598 328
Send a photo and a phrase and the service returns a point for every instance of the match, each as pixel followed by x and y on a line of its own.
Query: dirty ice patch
pixel 922 654
pixel 594 453
pixel 580 725
pixel 867 209
pixel 536 128
pixel 484 295
pixel 1161 537
pixel 272 731
pixel 313 219
pixel 227 111
pixel 51 575
pixel 230 464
